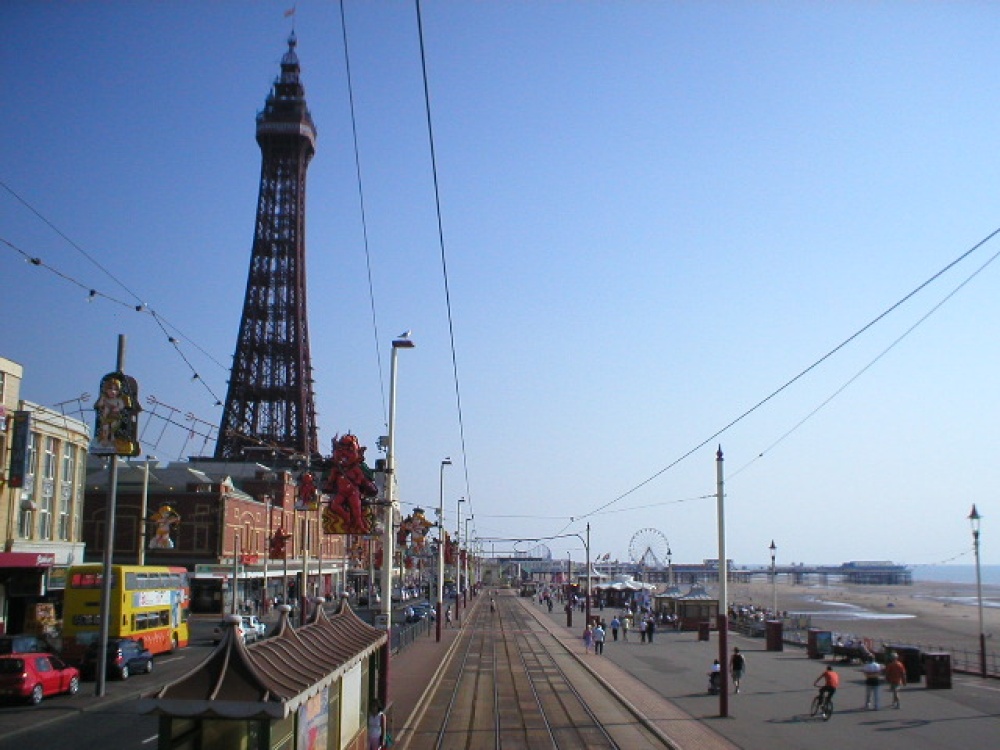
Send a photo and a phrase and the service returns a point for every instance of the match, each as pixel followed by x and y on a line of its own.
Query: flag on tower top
pixel 290 12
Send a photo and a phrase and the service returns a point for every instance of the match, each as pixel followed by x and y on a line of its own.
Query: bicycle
pixel 822 704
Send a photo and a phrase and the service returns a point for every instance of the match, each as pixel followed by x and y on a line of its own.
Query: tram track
pixel 509 683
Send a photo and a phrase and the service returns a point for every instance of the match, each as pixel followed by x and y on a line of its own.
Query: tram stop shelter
pixel 300 689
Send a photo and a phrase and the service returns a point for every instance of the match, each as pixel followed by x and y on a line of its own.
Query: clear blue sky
pixel 654 215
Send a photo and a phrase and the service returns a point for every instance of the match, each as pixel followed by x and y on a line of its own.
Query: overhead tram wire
pixel 868 366
pixel 444 260
pixel 361 202
pixel 809 369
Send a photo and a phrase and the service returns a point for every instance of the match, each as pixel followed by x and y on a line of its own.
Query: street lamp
pixel 440 571
pixel 974 519
pixel 466 566
pixel 388 538
pixel 143 510
pixel 458 553
pixel 670 568
pixel 774 582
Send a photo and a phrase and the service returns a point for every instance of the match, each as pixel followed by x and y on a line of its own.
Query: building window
pixel 49 467
pixel 26 517
pixel 81 478
pixel 45 511
pixel 66 490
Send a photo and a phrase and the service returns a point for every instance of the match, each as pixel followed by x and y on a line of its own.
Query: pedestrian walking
pixel 642 630
pixel 615 625
pixel 737 667
pixel 447 616
pixel 588 638
pixel 895 675
pixel 626 624
pixel 650 628
pixel 873 677
pixel 599 639
pixel 376 726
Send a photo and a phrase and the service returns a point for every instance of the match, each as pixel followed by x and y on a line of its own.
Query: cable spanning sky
pixel 655 215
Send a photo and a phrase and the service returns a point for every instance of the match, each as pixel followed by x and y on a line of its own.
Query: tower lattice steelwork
pixel 269 403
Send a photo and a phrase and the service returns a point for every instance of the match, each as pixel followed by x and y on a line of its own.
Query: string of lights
pixel 141 308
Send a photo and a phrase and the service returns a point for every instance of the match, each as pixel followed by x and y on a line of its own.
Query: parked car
pixel 418 612
pixel 125 657
pixel 253 628
pixel 33 676
pixel 23 644
pixel 249 629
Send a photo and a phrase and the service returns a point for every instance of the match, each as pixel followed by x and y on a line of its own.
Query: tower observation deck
pixel 269 402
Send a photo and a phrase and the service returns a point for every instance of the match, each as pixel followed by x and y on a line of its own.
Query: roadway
pixel 666 679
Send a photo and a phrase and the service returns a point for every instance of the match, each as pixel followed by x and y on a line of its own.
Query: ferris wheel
pixel 649 547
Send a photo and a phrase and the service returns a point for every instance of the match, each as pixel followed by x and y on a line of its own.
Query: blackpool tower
pixel 269 403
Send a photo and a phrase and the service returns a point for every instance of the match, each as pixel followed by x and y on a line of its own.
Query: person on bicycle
pixel 830 680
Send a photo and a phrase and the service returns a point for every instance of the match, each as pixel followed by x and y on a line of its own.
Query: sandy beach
pixel 935 615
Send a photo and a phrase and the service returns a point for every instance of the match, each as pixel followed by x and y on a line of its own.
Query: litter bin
pixel 773 631
pixel 937 671
pixel 819 643
pixel 703 630
pixel 911 658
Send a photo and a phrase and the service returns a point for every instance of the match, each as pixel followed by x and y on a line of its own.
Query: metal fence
pixel 795 633
pixel 405 633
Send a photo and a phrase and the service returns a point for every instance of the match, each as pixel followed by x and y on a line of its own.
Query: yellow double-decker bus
pixel 149 603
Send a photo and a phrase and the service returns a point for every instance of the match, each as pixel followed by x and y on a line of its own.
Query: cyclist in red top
pixel 831 681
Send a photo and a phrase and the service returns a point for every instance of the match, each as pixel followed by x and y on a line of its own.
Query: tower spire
pixel 270 404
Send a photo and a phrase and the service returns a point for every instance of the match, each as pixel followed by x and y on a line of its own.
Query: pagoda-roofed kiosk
pixel 695 607
pixel 307 687
pixel 666 602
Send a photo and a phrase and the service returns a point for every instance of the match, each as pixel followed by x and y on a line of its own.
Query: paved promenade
pixel 667 680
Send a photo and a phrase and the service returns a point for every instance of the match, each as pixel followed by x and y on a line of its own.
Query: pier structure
pixel 869 573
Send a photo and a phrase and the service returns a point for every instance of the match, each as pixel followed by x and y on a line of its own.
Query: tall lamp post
pixel 720 494
pixel 388 538
pixel 670 567
pixel 440 570
pixel 144 511
pixel 458 558
pixel 466 566
pixel 974 519
pixel 774 582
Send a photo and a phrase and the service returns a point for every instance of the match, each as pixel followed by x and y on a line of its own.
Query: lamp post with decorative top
pixel 975 519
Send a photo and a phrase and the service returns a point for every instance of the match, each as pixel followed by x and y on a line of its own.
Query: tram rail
pixel 508 683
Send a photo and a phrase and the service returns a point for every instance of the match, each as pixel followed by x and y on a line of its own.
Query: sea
pixel 956 573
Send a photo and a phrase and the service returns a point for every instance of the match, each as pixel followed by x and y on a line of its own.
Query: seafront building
pixel 43 454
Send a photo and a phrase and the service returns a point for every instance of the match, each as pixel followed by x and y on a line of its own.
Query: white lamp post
pixel 774 582
pixel 388 538
pixel 440 570
pixel 143 511
pixel 974 519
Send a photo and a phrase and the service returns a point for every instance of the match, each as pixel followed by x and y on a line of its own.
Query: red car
pixel 34 676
